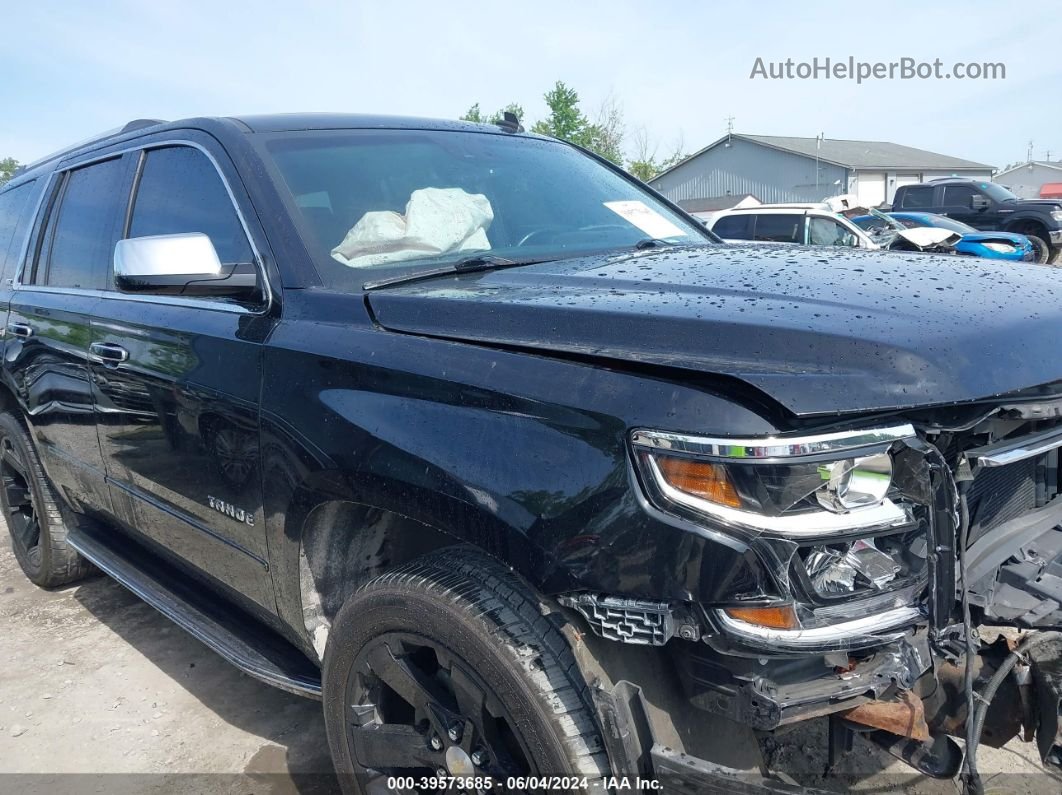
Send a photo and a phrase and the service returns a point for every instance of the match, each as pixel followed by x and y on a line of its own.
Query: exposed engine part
pixel 944 698
pixel 1045 659
pixel 904 717
pixel 1051 661
pixel 939 757
pixel 634 621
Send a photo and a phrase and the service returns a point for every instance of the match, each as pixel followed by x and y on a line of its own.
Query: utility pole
pixel 1028 159
pixel 818 146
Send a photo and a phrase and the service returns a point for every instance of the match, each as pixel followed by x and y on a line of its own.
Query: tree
pixel 645 165
pixel 605 134
pixel 8 167
pixel 474 114
pixel 568 122
pixel 565 120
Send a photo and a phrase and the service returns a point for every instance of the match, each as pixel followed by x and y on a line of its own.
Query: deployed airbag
pixel 436 221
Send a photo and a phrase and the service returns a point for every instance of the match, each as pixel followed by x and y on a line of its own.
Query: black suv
pixel 991 207
pixel 516 467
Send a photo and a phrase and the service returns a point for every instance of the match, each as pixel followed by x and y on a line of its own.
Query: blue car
pixel 991 245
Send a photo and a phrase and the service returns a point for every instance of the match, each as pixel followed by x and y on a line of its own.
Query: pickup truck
pixel 520 470
pixel 989 206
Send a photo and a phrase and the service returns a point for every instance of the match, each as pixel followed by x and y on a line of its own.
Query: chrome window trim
pixel 770 447
pixel 857 633
pixel 885 516
pixel 166 300
pixel 143 149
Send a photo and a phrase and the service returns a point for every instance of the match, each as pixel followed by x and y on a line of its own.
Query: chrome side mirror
pixel 183 264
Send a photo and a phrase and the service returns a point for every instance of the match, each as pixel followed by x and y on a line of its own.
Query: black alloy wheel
pixel 19 509
pixel 416 711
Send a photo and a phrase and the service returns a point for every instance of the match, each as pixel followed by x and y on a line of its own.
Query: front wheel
pixel 1041 251
pixel 447 667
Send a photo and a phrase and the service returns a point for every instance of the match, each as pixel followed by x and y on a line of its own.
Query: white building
pixel 1037 179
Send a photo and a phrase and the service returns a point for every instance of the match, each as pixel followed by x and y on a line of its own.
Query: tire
pixel 1041 251
pixel 464 640
pixel 37 520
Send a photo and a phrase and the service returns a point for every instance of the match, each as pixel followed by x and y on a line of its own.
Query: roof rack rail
pixel 135 124
pixel 139 124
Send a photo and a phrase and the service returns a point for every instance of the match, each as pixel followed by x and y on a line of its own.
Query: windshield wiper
pixel 469 264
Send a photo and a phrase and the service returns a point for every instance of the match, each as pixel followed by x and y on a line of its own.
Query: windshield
pixel 373 203
pixel 997 192
pixel 940 222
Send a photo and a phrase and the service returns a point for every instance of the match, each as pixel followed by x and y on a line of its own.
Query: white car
pixel 804 224
pixel 818 225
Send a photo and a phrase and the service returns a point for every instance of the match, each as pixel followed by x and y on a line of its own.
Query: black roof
pixel 266 123
pixel 286 122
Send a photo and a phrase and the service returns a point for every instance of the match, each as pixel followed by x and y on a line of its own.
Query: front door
pixel 957 203
pixel 178 384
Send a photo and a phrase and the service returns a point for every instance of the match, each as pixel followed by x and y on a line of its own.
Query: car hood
pixel 989 237
pixel 818 330
pixel 1039 204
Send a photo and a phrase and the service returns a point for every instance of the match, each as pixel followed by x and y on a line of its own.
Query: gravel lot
pixel 99 693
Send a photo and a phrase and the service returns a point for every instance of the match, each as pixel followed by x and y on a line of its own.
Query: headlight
pixel 845 516
pixel 808 486
pixel 1000 248
pixel 1057 215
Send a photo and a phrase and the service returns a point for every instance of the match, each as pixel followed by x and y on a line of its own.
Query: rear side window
pixel 15 217
pixel 82 230
pixel 733 227
pixel 180 191
pixel 779 228
pixel 917 197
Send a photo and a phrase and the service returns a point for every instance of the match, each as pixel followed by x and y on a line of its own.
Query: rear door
pixel 779 227
pixel 178 382
pixel 49 324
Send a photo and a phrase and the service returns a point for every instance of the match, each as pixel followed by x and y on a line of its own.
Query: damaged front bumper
pixel 766 694
pixel 893 672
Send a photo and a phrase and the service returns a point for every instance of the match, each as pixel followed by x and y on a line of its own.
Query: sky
pixel 678 70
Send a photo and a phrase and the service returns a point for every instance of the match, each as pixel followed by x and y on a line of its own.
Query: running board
pixel 243 641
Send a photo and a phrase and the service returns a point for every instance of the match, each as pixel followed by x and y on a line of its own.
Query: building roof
pixel 853 154
pixel 1055 164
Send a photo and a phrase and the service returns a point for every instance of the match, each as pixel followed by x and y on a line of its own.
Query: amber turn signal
pixel 699 478
pixel 773 617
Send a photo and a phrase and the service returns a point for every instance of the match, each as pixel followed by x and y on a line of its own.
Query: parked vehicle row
pixel 817 225
pixel 987 206
pixel 989 245
pixel 517 467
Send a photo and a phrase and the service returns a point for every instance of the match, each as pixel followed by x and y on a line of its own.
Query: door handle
pixel 20 330
pixel 108 352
